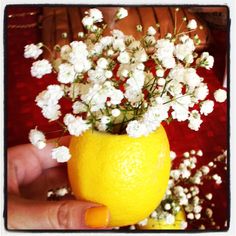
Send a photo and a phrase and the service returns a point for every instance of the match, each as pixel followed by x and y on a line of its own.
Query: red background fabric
pixel 22 114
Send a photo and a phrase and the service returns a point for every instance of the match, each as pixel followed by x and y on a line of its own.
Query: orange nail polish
pixel 97 217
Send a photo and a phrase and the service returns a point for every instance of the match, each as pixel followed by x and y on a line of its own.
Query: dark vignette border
pixel 5 40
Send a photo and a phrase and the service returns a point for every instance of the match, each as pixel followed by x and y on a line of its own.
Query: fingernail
pixel 97 217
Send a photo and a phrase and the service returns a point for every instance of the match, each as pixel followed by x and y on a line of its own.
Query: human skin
pixel 30 174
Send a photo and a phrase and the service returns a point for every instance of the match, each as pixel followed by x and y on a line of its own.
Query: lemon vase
pixel 128 175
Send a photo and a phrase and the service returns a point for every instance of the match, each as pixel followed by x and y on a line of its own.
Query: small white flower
pixel 207 107
pixel 106 41
pixel 192 24
pixel 159 100
pixel 79 107
pixel 135 45
pixel 183 224
pixel 206 60
pixel 81 34
pixel 102 63
pixel 123 58
pixel 186 154
pixel 175 174
pixel 183 38
pixel 161 81
pixel 199 153
pixel 76 125
pixel 191 78
pixel 61 192
pixel 197 209
pixel 170 219
pixel 180 112
pixel 150 40
pixel 68 118
pixel 135 83
pixel 135 129
pixel 87 21
pixel 172 155
pixel 167 206
pixel 97 75
pixel 101 127
pixel 211 164
pixel 121 13
pixel 41 68
pixel 217 178
pixel 97 49
pixel 37 138
pixel 115 112
pixel 220 95
pixel 197 216
pixel 50 96
pixel 140 55
pixel 61 154
pixel 185 173
pixel 143 222
pixel 96 15
pixel 32 51
pixel 118 34
pixel 66 73
pixel 116 96
pixel 151 31
pixel 168 62
pixel 105 119
pixel 110 52
pixel 194 120
pixel 65 52
pixel 123 72
pixel 165 49
pixel 189 59
pixel 132 227
pixel 93 28
pixel 51 112
pixel 201 92
pixel 190 216
pixel 184 51
pixel 209 196
pixel 108 74
pixel 119 44
pixel 160 72
pixel 154 214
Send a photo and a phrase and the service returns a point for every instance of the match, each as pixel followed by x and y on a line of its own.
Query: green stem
pixel 50 52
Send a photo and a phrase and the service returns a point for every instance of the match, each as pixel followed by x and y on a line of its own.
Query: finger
pixel 26 163
pixel 28 214
pixel 53 178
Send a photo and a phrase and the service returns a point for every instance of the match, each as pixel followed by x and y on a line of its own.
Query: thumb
pixel 69 214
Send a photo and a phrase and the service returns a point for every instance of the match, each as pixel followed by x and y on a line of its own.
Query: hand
pixel 30 174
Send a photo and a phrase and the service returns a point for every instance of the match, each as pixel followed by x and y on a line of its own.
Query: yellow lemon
pixel 128 175
pixel 154 224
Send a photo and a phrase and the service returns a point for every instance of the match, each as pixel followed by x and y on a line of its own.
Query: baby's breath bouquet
pixel 122 85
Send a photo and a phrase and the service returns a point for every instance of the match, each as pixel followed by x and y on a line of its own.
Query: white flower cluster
pixel 48 100
pixel 184 191
pixel 41 68
pixel 119 84
pixel 76 125
pixel 61 154
pixel 33 51
pixel 92 16
pixel 121 13
pixel 37 138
